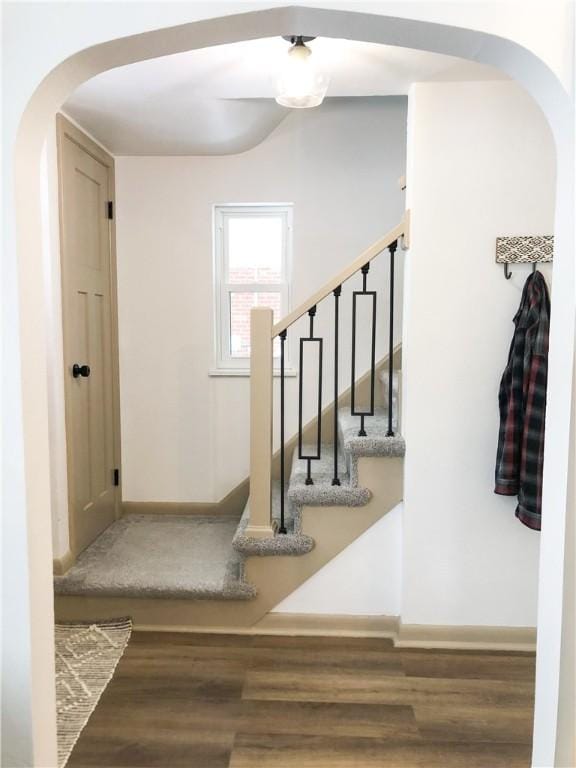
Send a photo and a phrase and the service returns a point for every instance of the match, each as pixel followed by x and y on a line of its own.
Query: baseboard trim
pixel 466 637
pixel 61 564
pixel 170 508
pixel 472 638
pixel 327 625
pixel 294 625
pixel 232 504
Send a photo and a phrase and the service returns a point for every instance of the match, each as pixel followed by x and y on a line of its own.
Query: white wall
pixel 185 435
pixel 481 164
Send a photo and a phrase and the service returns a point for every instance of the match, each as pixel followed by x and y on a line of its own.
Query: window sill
pixel 234 372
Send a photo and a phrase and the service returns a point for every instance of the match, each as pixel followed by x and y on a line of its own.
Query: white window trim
pixel 224 363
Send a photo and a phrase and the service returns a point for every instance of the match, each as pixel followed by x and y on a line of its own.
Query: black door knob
pixel 80 370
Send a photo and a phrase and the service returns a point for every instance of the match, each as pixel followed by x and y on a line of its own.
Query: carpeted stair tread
pixel 164 556
pixel 375 443
pixel 294 542
pixel 322 493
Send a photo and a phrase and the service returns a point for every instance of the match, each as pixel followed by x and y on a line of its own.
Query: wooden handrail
pixel 401 229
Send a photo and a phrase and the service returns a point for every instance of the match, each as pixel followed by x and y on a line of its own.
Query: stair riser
pixel 387 484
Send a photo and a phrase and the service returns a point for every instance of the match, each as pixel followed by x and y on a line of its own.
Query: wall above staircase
pixel 184 434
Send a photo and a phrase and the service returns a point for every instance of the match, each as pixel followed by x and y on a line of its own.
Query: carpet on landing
pixel 160 556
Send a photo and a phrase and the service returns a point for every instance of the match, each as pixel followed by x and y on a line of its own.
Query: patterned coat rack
pixel 529 249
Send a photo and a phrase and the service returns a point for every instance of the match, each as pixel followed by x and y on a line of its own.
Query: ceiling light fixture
pixel 300 85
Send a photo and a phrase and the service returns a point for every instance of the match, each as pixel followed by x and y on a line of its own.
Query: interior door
pixel 86 177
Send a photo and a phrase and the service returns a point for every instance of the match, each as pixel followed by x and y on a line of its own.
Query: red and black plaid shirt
pixel 522 399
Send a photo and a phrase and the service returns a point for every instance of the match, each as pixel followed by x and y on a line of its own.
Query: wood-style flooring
pixel 213 701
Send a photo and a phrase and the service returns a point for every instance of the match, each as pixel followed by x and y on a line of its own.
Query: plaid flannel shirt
pixel 522 400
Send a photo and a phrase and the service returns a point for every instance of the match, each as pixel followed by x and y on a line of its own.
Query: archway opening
pixel 516 62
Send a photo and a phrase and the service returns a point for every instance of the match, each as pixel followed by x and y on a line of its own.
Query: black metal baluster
pixel 392 248
pixel 337 292
pixel 311 315
pixel 365 270
pixel 282 528
pixel 310 339
pixel 355 294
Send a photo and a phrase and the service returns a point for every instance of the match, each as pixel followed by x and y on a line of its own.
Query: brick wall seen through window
pixel 251 270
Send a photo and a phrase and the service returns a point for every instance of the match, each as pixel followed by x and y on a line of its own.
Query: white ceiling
pixel 220 100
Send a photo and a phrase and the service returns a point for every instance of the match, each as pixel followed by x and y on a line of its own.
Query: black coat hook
pixel 508 274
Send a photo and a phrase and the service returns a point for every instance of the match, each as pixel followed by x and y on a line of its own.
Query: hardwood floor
pixel 213 701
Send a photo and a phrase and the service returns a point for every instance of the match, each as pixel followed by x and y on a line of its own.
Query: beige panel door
pixel 90 335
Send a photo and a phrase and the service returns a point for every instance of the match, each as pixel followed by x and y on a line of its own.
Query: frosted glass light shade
pixel 300 85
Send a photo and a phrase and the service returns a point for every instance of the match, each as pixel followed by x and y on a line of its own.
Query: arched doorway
pixel 517 62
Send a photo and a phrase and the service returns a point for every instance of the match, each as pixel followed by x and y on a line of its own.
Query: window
pixel 252 246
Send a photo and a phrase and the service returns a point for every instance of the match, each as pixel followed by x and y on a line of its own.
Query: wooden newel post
pixel 261 371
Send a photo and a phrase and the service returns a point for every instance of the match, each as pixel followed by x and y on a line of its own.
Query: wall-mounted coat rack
pixel 529 249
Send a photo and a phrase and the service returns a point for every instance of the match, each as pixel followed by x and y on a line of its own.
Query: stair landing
pixel 181 556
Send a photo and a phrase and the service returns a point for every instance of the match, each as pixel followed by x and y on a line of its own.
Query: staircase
pixel 323 489
pixel 302 499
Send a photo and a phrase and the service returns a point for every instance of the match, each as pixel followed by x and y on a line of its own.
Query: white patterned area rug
pixel 86 657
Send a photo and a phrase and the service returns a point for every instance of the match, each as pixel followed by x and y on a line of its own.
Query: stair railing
pixel 262 335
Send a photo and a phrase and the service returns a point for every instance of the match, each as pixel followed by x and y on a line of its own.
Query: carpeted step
pixel 322 493
pixel 375 443
pixel 165 556
pixel 294 542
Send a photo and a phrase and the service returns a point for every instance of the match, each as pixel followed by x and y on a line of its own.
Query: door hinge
pixel 110 209
pixel 116 476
